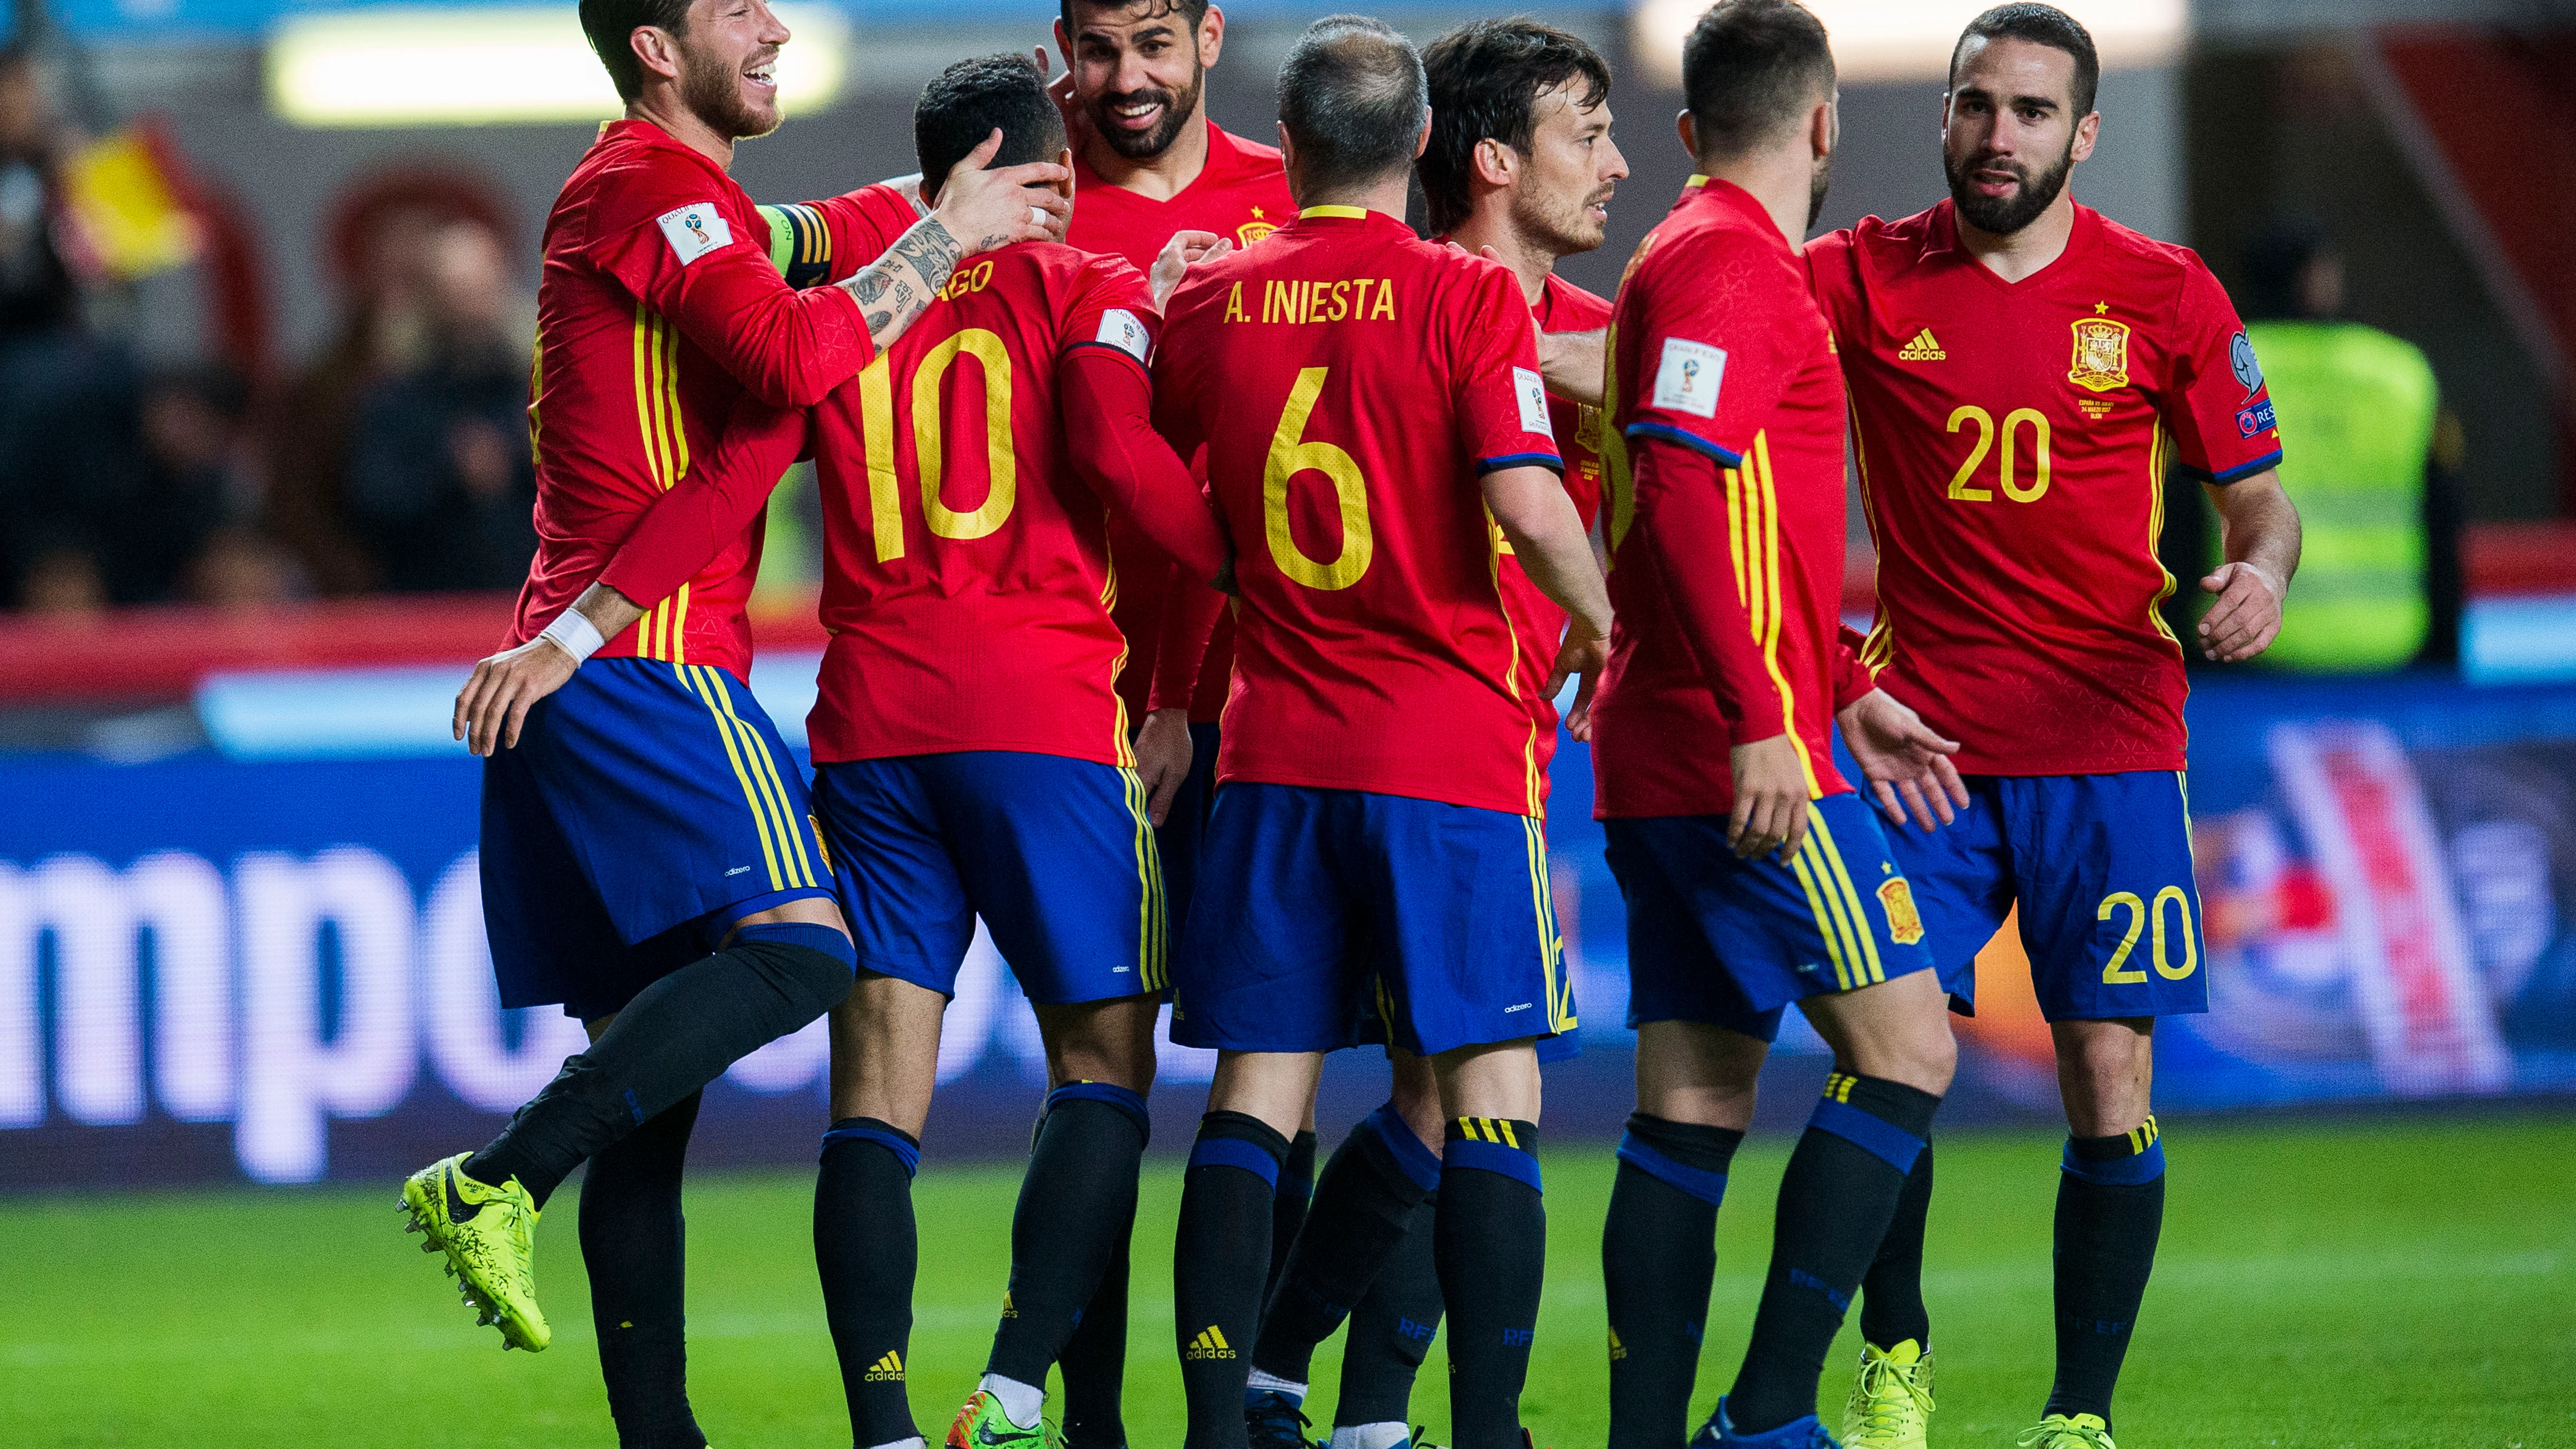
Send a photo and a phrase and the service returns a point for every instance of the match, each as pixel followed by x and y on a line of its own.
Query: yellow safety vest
pixel 2356 410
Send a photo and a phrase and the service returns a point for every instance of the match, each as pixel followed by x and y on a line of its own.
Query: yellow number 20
pixel 2142 915
pixel 2014 423
pixel 1292 453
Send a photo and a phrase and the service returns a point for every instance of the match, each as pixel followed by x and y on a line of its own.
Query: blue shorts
pixel 1311 900
pixel 1056 854
pixel 1730 942
pixel 646 807
pixel 1184 829
pixel 2101 868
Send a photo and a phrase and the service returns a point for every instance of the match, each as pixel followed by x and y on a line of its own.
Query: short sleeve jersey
pixel 1536 620
pixel 2013 441
pixel 1352 384
pixel 1717 350
pixel 1242 196
pixel 967 580
pixel 621 396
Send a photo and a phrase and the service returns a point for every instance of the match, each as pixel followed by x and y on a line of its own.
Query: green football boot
pixel 489 1237
pixel 1891 1399
pixel 981 1424
pixel 2059 1431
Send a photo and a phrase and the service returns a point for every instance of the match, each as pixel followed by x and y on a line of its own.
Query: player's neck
pixel 2015 255
pixel 661 105
pixel 1780 179
pixel 1490 226
pixel 1386 194
pixel 1165 174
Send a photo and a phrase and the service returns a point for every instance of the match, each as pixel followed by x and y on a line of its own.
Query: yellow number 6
pixel 1290 455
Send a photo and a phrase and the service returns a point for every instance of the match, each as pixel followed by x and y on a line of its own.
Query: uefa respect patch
pixel 2256 419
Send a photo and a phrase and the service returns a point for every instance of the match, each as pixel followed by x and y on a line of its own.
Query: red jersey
pixel 2013 443
pixel 1536 620
pixel 1725 461
pixel 657 310
pixel 1352 383
pixel 1241 195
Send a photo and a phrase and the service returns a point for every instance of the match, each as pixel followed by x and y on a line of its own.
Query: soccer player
pixel 2023 373
pixel 647 861
pixel 1520 166
pixel 1753 875
pixel 972 750
pixel 1379 790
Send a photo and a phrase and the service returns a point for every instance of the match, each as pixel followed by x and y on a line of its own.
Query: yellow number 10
pixel 1970 413
pixel 929 443
pixel 1292 453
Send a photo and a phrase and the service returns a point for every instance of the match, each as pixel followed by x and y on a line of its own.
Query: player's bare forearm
pixel 608 611
pixel 1575 364
pixel 1533 511
pixel 893 291
pixel 2260 530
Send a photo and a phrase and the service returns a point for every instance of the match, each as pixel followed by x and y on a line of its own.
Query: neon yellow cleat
pixel 2057 1431
pixel 489 1236
pixel 1891 1399
pixel 981 1424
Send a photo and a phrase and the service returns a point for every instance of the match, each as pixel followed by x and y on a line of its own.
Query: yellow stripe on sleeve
pixel 1770 631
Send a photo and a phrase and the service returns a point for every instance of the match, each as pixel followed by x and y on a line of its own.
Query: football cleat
pixel 1891 1399
pixel 1806 1432
pixel 2061 1431
pixel 1272 1421
pixel 489 1237
pixel 981 1424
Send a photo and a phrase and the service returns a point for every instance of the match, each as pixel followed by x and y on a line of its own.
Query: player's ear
pixel 1288 156
pixel 1064 158
pixel 1821 128
pixel 1493 162
pixel 1689 130
pixel 1422 142
pixel 1211 36
pixel 2087 132
pixel 654 47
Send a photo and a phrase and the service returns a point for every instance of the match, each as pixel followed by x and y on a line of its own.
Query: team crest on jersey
pixel 1635 257
pixel 1253 230
pixel 1587 427
pixel 2101 354
pixel 1904 923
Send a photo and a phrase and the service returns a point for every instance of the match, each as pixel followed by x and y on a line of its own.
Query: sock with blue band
pixel 1836 1200
pixel 1220 1257
pixel 1392 1328
pixel 633 1246
pixel 1363 1205
pixel 1891 1293
pixel 2110 1211
pixel 1289 1202
pixel 1490 1240
pixel 1078 1195
pixel 1658 1259
pixel 867 1252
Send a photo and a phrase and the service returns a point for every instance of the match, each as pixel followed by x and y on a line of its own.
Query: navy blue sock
pixel 1094 1360
pixel 867 1252
pixel 634 1247
pixel 1220 1254
pixel 1361 1210
pixel 1076 1200
pixel 1835 1203
pixel 1288 1205
pixel 1891 1293
pixel 1391 1330
pixel 1491 1243
pixel 2110 1211
pixel 1658 1258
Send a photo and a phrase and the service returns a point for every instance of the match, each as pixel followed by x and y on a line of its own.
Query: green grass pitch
pixel 2407 1283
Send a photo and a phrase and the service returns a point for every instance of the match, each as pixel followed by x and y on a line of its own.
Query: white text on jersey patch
pixel 1688 379
pixel 695 230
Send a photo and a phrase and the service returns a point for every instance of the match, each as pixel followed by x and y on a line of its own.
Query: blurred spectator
pixel 38 296
pixel 440 479
pixel 2371 461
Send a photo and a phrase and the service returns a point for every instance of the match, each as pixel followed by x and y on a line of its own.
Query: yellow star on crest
pixel 2101 307
pixel 1256 213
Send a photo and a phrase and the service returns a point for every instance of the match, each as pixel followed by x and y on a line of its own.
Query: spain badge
pixel 1904 922
pixel 1253 230
pixel 2101 354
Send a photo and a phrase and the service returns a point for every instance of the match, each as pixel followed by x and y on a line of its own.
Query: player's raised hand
pixel 494 703
pixel 2246 617
pixel 1770 798
pixel 1163 754
pixel 1185 250
pixel 987 209
pixel 1587 654
pixel 1901 756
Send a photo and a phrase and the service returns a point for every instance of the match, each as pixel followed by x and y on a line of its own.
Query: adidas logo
pixel 1209 1344
pixel 1618 1350
pixel 1922 349
pixel 1009 1309
pixel 888 1369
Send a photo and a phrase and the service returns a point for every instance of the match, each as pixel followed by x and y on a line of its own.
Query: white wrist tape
pixel 574 634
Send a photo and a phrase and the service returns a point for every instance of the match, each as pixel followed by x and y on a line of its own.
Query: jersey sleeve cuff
pixel 1549 461
pixel 1667 433
pixel 2241 471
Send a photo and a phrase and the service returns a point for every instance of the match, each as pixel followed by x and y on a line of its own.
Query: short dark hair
pixel 1751 69
pixel 1193 11
pixel 966 102
pixel 2040 25
pixel 1353 98
pixel 1486 77
pixel 611 26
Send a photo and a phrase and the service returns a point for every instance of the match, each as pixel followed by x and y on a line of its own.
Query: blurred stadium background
pixel 266 289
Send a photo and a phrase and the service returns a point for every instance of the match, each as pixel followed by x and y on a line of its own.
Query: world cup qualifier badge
pixel 2101 354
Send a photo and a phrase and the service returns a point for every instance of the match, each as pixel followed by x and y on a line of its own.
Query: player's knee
pixel 810 965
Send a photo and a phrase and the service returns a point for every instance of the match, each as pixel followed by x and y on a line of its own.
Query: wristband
pixel 574 634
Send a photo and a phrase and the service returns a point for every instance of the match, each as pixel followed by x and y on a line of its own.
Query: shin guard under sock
pixel 1658 1259
pixel 1076 1200
pixel 1288 1204
pixel 1220 1254
pixel 677 1035
pixel 1836 1201
pixel 1094 1360
pixel 1392 1328
pixel 2110 1211
pixel 1363 1205
pixel 1490 1238
pixel 867 1251
pixel 633 1246
pixel 1891 1293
